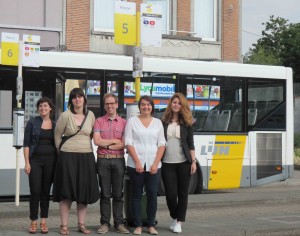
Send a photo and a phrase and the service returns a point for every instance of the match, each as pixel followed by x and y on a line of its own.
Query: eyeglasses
pixel 111 104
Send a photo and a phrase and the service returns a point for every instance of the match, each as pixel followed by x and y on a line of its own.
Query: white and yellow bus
pixel 243 113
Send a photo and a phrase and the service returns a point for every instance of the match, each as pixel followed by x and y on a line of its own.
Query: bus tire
pixel 193 183
pixel 199 186
pixel 161 188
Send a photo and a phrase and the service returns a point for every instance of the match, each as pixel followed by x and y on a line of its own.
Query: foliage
pixel 279 45
pixel 297 140
pixel 261 57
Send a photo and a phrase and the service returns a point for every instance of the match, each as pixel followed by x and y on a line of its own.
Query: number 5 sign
pixel 9 49
pixel 125 23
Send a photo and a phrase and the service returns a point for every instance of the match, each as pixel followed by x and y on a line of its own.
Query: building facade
pixel 207 30
pixel 192 29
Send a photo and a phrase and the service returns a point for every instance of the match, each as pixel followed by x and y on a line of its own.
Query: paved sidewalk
pixel 208 213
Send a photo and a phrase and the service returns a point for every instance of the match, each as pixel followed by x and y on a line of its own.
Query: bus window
pixel 265 97
pixel 159 87
pixel 216 103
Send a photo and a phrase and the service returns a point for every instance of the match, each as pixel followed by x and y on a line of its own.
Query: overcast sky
pixel 256 12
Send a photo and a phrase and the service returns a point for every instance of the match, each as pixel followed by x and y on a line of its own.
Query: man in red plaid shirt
pixel 109 137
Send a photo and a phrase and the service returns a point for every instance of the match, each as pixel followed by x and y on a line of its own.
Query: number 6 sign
pixel 9 49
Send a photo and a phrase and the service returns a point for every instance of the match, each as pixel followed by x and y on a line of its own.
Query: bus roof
pixel 163 65
pixel 78 60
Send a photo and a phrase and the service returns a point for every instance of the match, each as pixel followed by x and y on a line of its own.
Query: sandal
pixel 33 227
pixel 82 229
pixel 44 228
pixel 64 230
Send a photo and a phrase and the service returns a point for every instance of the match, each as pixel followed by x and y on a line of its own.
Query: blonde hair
pixel 184 117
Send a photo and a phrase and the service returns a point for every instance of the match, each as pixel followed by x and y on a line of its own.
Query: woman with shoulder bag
pixel 75 176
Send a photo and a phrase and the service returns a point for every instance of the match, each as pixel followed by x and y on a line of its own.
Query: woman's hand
pixel 193 168
pixel 153 169
pixel 138 167
pixel 27 168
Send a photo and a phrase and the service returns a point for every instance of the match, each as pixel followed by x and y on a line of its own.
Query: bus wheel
pixel 161 188
pixel 193 183
pixel 199 186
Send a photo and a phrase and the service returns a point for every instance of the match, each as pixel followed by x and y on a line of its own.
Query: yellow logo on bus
pixel 227 161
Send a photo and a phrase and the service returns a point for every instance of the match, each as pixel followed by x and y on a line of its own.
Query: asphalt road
pixel 272 209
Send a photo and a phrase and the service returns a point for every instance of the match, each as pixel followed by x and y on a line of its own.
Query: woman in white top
pixel 145 142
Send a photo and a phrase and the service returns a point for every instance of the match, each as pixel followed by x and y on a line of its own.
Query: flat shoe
pixel 152 231
pixel 83 229
pixel 33 227
pixel 137 231
pixel 64 230
pixel 44 228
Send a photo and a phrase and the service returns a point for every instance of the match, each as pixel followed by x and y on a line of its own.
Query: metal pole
pixel 138 44
pixel 19 103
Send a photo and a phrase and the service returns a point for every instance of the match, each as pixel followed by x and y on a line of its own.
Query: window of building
pixel 104 15
pixel 205 19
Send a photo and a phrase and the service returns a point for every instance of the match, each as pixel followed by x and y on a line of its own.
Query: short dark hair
pixel 73 94
pixel 148 99
pixel 50 103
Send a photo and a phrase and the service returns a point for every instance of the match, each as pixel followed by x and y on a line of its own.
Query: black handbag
pixel 65 138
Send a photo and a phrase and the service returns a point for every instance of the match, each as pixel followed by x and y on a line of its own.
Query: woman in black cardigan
pixel 40 157
pixel 179 161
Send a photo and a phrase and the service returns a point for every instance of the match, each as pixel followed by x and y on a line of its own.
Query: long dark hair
pixel 50 103
pixel 73 94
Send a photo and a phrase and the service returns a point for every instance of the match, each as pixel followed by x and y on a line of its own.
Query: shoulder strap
pixel 70 136
pixel 82 123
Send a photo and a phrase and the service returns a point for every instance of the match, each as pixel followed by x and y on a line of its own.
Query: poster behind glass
pixel 202 91
pixel 93 87
pixel 162 90
pixel 112 87
pixel 202 99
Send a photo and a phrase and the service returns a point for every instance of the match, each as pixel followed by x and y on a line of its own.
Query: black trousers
pixel 40 181
pixel 111 177
pixel 176 178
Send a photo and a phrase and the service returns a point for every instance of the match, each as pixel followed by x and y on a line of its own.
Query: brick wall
pixel 78 25
pixel 230 30
pixel 184 16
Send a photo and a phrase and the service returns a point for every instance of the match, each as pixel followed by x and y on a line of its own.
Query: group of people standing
pixel 62 154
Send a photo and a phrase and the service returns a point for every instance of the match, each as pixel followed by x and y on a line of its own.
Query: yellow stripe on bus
pixel 227 162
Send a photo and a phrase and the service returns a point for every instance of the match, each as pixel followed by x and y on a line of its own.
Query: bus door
pixel 267 130
pixel 220 138
pixel 90 82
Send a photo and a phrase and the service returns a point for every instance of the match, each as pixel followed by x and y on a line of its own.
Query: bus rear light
pixel 279 168
pixel 214 172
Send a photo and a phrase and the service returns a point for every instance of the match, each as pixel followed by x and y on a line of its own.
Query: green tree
pixel 279 45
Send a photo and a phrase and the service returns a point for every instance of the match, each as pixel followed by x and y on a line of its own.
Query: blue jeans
pixel 111 177
pixel 138 181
